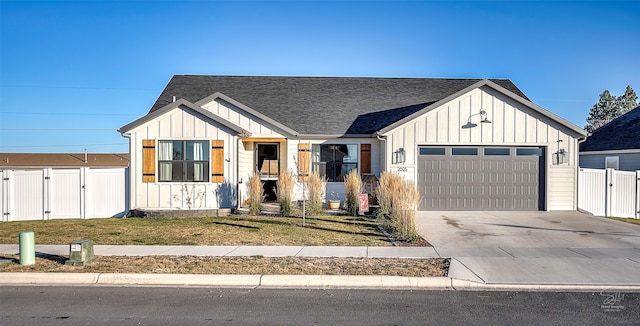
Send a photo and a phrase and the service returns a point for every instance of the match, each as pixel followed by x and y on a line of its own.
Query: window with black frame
pixel 183 160
pixel 334 161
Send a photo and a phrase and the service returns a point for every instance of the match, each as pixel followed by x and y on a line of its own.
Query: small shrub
pixel 285 192
pixel 353 187
pixel 255 194
pixel 316 191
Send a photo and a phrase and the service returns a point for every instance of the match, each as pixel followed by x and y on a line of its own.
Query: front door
pixel 268 165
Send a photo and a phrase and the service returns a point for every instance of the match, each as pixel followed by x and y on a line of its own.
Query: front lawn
pixel 232 230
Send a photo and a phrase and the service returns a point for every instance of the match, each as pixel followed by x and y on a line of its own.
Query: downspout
pixel 383 139
pixel 237 172
pixel 128 190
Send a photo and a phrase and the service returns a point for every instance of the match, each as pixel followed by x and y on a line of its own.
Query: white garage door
pixel 480 178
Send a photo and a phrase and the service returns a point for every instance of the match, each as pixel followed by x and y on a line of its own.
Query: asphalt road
pixel 48 305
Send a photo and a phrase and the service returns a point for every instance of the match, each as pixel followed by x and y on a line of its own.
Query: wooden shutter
pixel 365 158
pixel 304 161
pixel 148 160
pixel 217 161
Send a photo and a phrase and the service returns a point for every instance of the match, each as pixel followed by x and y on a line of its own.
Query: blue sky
pixel 73 72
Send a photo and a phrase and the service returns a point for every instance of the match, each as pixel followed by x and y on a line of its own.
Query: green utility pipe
pixel 27 248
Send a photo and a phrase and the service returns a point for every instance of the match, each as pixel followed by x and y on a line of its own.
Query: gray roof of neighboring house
pixel 39 160
pixel 324 105
pixel 620 133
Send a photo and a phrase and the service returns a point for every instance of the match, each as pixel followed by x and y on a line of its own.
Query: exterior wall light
pixel 399 156
pixel 483 119
pixel 560 157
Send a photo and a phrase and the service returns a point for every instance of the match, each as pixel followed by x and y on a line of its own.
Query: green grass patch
pixel 324 230
pixel 635 221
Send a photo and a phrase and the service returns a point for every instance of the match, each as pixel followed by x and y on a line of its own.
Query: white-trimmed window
pixel 183 160
pixel 612 162
pixel 334 161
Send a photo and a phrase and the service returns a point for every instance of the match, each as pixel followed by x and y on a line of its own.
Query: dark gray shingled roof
pixel 622 132
pixel 324 105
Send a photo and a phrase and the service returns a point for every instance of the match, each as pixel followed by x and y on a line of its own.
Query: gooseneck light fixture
pixel 483 119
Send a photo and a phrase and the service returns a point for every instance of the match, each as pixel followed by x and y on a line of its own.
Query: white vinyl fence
pixel 609 192
pixel 45 194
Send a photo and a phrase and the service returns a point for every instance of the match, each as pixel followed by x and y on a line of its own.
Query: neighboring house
pixel 615 145
pixel 43 186
pixel 468 144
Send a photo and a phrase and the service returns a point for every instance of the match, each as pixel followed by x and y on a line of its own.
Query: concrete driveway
pixel 525 229
pixel 543 248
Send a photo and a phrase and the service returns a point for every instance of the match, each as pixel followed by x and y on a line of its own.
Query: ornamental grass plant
pixel 255 194
pixel 398 199
pixel 353 187
pixel 285 193
pixel 316 191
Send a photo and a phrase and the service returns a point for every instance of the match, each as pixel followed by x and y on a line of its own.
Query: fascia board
pixel 177 104
pixel 276 125
pixel 612 151
pixel 333 136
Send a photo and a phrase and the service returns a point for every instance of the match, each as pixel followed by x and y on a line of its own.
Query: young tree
pixel 628 101
pixel 610 107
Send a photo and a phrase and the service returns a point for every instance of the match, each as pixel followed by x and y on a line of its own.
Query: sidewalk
pixel 471 268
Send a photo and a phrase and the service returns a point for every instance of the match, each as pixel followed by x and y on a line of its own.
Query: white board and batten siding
pixel 180 124
pixel 512 124
pixel 246 149
pixel 69 193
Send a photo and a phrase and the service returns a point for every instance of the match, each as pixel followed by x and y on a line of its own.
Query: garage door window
pixel 528 152
pixel 464 151
pixel 497 152
pixel 432 151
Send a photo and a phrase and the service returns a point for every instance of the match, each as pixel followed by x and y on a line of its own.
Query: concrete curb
pixel 289 281
pixel 464 285
pixel 49 278
pixel 243 281
pixel 355 281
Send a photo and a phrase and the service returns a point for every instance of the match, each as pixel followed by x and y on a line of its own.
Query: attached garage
pixel 480 178
pixel 486 148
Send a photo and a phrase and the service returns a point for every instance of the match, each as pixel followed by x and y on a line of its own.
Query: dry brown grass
pixel 240 265
pixel 231 230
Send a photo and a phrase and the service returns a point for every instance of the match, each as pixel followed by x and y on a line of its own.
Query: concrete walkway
pixel 525 268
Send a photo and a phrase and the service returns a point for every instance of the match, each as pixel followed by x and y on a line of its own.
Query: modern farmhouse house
pixel 468 144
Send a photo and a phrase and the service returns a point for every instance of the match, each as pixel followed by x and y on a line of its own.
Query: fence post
pixel 48 192
pixel 608 192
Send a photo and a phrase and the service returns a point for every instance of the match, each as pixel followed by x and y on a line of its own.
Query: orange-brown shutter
pixel 148 160
pixel 365 158
pixel 304 161
pixel 217 161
